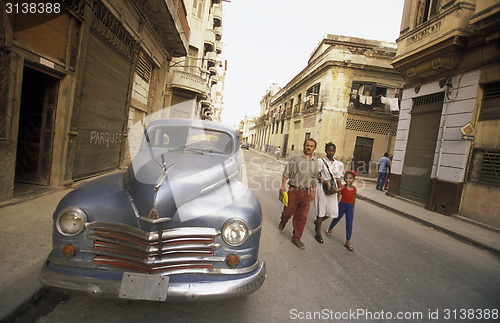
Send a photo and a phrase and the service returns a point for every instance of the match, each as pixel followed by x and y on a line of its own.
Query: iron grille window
pixel 144 67
pixel 428 103
pixel 491 102
pixel 370 126
pixel 485 167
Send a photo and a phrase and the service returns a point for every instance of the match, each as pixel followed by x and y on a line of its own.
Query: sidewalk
pixel 456 226
pixel 26 240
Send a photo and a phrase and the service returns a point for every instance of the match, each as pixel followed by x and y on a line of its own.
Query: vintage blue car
pixel 179 224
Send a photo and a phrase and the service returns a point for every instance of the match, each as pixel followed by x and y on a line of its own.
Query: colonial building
pixel 262 124
pixel 347 94
pixel 447 152
pixel 247 129
pixel 195 87
pixel 69 78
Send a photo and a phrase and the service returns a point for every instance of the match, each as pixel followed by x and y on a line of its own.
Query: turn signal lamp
pixel 69 250
pixel 232 260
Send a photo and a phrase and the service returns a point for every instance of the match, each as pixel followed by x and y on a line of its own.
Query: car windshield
pixel 190 138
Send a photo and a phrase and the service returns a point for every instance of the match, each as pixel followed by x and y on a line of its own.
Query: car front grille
pixel 180 250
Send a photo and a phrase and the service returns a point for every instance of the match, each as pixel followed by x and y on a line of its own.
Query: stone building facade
pixel 347 94
pixel 447 152
pixel 69 79
pixel 196 80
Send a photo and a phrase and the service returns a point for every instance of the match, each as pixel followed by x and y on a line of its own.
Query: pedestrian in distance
pixel 330 183
pixel 278 152
pixel 301 174
pixel 384 166
pixel 346 207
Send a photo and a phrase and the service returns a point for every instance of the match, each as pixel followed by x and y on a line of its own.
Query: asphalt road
pixel 400 270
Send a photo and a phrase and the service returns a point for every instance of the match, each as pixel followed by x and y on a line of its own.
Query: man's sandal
pixel 328 233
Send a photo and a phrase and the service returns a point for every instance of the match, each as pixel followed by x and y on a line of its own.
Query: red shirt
pixel 348 196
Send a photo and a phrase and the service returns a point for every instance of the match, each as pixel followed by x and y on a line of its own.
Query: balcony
pixel 169 19
pixel 209 40
pixel 190 80
pixel 218 47
pixel 436 45
pixel 211 59
pixel 212 70
pixel 217 16
pixel 218 33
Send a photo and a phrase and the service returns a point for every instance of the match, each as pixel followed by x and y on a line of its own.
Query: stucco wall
pixel 477 204
pixel 452 151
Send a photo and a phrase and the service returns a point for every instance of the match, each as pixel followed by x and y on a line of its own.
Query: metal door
pixel 421 146
pixel 363 154
pixel 103 109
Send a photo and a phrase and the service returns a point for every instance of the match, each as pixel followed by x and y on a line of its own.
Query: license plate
pixel 144 287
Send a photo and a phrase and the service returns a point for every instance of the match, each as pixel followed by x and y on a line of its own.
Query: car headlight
pixel 71 222
pixel 234 232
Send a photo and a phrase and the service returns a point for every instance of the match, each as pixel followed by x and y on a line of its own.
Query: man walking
pixel 384 166
pixel 301 173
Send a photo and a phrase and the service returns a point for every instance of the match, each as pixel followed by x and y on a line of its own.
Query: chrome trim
pixel 250 232
pixel 116 247
pixel 222 181
pixel 234 220
pixel 207 271
pixel 197 291
pixel 154 221
pixel 81 213
pixel 154 258
pixel 152 249
pixel 153 236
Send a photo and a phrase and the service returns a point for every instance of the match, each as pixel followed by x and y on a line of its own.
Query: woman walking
pixel 330 171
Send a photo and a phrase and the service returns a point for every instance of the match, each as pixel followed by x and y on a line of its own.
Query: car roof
pixel 192 122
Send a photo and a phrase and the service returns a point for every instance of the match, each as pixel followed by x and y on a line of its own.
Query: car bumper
pixel 201 291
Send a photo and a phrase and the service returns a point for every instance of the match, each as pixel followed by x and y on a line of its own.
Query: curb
pixel 431 225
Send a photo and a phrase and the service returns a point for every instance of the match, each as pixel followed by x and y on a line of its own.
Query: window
pixel 427 9
pixel 191 62
pixel 485 167
pixel 297 106
pixel 198 6
pixel 367 95
pixel 490 109
pixel 312 96
pixel 144 67
pixel 313 90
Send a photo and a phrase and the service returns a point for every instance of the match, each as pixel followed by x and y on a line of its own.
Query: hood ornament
pixel 154 217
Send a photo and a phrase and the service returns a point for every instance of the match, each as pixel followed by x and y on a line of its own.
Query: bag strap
pixel 328 168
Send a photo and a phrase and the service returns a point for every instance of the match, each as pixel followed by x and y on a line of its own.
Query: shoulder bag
pixel 329 185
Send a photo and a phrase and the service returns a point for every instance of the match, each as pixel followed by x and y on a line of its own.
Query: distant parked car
pixel 179 224
pixel 245 145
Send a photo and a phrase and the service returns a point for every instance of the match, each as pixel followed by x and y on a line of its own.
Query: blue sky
pixel 270 41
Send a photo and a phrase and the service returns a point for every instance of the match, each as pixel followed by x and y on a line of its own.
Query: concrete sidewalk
pixel 26 240
pixel 459 227
pixel 26 237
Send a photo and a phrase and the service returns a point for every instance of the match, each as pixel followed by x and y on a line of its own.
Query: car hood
pixel 186 177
